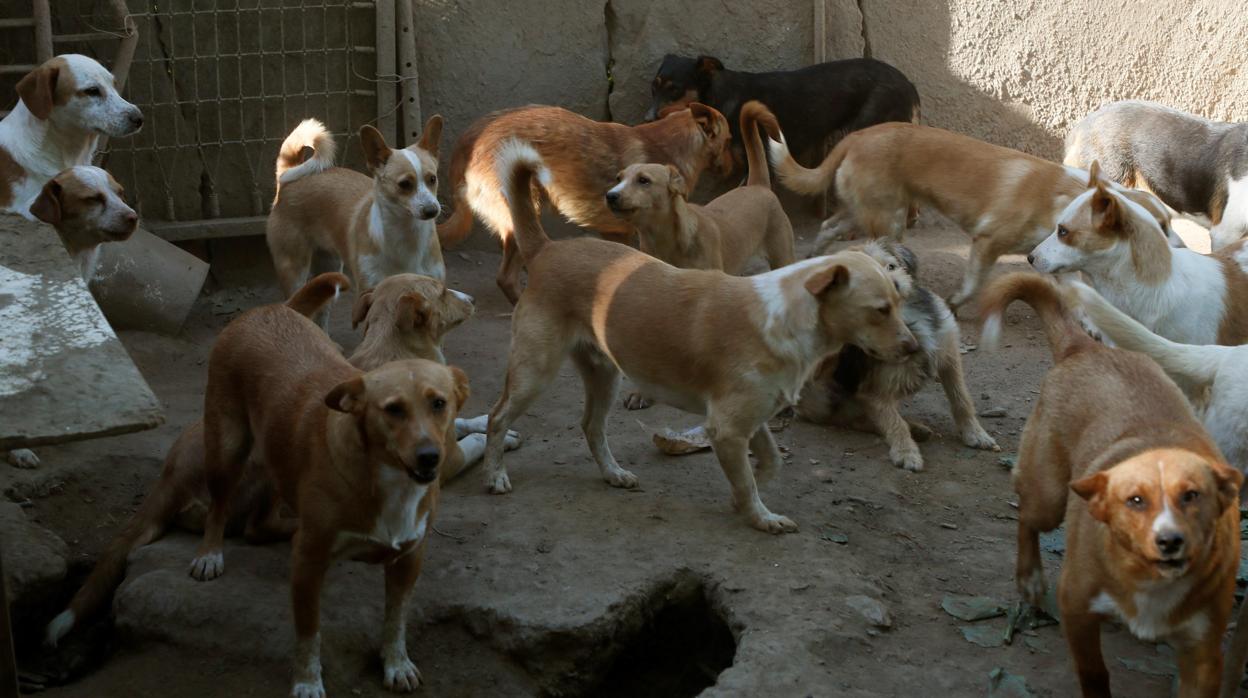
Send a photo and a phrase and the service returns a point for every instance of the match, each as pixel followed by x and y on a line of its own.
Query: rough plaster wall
pixel 1022 72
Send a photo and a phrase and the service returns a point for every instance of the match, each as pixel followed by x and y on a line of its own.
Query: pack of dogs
pixel 1143 415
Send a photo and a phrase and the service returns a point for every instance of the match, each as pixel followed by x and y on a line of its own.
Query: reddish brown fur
pixel 1233 329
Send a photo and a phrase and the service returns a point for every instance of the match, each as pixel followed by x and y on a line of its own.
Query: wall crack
pixel 866 39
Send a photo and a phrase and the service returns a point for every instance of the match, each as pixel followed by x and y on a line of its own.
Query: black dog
pixel 817 104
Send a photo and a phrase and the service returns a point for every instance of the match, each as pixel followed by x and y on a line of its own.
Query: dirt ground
pixel 568 586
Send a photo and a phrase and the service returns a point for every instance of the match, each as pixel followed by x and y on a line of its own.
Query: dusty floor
pixel 538 590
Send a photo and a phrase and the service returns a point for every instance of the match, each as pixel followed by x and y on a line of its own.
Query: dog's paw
pixel 308 689
pixel 23 458
pixel 498 483
pixel 908 458
pixel 975 437
pixel 512 441
pixel 774 523
pixel 471 425
pixel 619 477
pixel 402 676
pixel 209 566
pixel 1032 587
pixel 636 401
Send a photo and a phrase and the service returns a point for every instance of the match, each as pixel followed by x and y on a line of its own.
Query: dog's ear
pixel 1105 213
pixel 461 387
pixel 704 69
pixel 38 90
pixel 432 135
pixel 836 276
pixel 347 396
pixel 363 304
pixel 908 260
pixel 706 118
pixel 47 207
pixel 1094 173
pixel 412 312
pixel 1229 480
pixel 1092 489
pixel 376 152
pixel 676 182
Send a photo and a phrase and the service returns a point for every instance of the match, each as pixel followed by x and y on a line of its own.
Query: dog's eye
pixel 885 310
pixel 1190 496
pixel 431 180
pixel 395 409
pixel 643 181
pixel 405 184
pixel 892 267
pixel 1062 231
pixel 1135 502
pixel 438 404
pixel 96 199
pixel 92 92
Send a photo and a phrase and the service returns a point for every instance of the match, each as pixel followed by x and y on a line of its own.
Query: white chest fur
pixel 1154 605
pixel 398 522
pixel 405 246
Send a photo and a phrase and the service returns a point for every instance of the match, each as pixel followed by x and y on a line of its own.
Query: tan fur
pixel 330 210
pixel 584 157
pixel 733 352
pixel 722 235
pixel 1005 200
pixel 48 86
pixel 1111 426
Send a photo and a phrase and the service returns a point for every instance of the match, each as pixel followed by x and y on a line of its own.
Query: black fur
pixel 814 104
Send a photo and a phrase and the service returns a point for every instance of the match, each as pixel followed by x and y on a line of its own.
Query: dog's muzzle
pixel 424 467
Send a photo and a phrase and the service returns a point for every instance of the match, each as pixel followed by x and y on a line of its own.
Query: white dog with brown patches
pixel 1180 294
pixel 84 204
pixel 740 350
pixel 378 226
pixel 66 104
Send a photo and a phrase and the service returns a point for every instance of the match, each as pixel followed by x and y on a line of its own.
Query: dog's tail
pixel 309 149
pixel 1061 326
pixel 160 507
pixel 1196 363
pixel 805 180
pixel 753 115
pixel 323 288
pixel 518 165
pixel 453 230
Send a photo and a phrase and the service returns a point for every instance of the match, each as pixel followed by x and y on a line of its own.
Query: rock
pixel 874 611
pixel 982 635
pixel 994 413
pixel 1003 684
pixel 34 557
pixel 972 608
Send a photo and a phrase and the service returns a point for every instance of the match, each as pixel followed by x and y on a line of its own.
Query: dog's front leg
pixel 970 430
pixel 1200 666
pixel 902 450
pixel 1083 636
pixel 401 675
pixel 731 449
pixel 309 561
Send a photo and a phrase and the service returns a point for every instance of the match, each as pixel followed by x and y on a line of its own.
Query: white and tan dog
pixel 740 350
pixel 378 226
pixel 1180 294
pixel 84 204
pixel 66 104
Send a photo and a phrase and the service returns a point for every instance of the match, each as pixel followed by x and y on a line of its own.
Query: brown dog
pixel 740 349
pixel 725 233
pixel 356 455
pixel 584 157
pixel 1155 543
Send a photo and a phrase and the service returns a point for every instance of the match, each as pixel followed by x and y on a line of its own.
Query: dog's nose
pixel 1031 259
pixel 910 345
pixel 612 197
pixel 428 211
pixel 427 458
pixel 1170 542
pixel 136 119
pixel 131 219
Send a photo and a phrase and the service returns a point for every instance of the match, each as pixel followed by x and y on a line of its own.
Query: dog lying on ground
pixel 853 390
pixel 1215 378
pixel 84 204
pixel 1155 543
pixel 739 351
pixel 355 455
pixel 1196 166
pixel 66 104
pixel 378 226
pixel 817 104
pixel 584 157
pixel 1006 200
pixel 405 317
pixel 1180 294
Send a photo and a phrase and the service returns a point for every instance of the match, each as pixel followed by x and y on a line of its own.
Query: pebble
pixel 994 413
pixel 874 611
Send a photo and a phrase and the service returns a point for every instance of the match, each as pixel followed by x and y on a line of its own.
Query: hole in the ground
pixel 78 654
pixel 679 649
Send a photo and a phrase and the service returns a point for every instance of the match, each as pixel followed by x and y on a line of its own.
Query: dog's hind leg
pixel 768 454
pixel 949 371
pixel 508 279
pixel 1041 480
pixel 602 380
pixel 227 443
pixel 728 438
pixel 979 263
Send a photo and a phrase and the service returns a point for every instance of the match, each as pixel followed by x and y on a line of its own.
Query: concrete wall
pixel 1014 72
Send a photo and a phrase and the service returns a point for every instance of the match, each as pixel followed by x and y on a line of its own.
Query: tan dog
pixel 377 226
pixel 84 204
pixel 356 455
pixel 1006 200
pixel 740 350
pixel 1155 543
pixel 725 233
pixel 584 157
pixel 856 391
